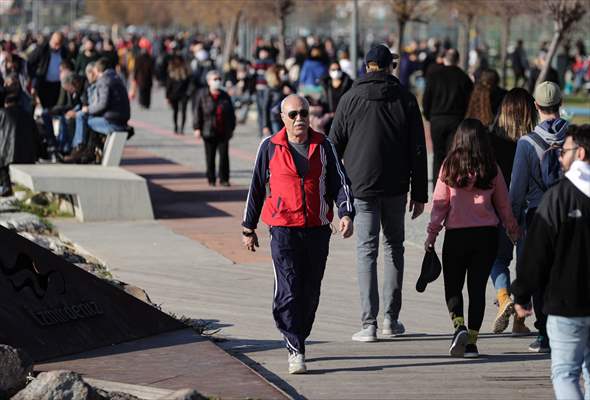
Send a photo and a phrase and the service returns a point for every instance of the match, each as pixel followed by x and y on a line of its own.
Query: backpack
pixel 549 160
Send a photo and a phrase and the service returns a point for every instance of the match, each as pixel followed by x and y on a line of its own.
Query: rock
pixel 58 385
pixel 8 204
pixel 66 206
pixel 117 395
pixel 39 199
pixel 137 292
pixel 52 243
pixel 73 258
pixel 22 221
pixel 184 394
pixel 15 366
pixel 20 195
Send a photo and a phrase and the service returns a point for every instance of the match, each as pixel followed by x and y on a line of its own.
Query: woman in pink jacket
pixel 470 200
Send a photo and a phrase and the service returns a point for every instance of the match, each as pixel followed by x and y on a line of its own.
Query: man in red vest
pixel 305 178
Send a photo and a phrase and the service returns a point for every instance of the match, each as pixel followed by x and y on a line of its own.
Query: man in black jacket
pixel 44 65
pixel 378 132
pixel 445 102
pixel 556 258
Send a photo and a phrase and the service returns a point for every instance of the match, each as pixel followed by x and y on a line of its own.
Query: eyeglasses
pixel 561 152
pixel 304 113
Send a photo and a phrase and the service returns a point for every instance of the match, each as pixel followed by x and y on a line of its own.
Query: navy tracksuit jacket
pixel 299 211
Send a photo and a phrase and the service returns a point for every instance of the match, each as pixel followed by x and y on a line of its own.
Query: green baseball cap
pixel 547 94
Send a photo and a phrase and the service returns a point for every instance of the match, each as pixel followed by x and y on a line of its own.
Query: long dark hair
pixel 471 156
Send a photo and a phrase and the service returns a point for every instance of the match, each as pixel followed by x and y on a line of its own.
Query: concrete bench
pixel 101 192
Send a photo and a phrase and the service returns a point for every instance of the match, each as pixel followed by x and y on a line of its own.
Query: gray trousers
pixel 372 214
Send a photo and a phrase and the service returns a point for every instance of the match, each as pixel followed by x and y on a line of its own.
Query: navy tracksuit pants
pixel 299 259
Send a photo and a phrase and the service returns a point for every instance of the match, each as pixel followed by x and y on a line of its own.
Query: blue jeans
pixel 372 214
pixel 500 273
pixel 80 131
pixel 101 125
pixel 570 355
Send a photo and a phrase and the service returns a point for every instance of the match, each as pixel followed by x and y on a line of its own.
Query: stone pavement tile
pixel 174 360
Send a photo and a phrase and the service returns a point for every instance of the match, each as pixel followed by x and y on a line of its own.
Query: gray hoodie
pixel 525 190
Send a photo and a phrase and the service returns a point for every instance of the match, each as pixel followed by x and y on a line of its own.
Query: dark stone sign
pixel 51 308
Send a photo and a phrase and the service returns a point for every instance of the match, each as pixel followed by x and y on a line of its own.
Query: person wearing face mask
pixel 44 63
pixel 333 88
pixel 214 122
pixel 200 66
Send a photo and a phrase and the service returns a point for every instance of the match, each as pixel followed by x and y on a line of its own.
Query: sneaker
pixel 459 342
pixel 540 345
pixel 392 328
pixel 297 363
pixel 503 317
pixel 368 334
pixel 224 183
pixel 471 351
pixel 519 328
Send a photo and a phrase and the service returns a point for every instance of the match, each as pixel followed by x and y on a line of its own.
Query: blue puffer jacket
pixel 311 72
pixel 110 99
pixel 525 189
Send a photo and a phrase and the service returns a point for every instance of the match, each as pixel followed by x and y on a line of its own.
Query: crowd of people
pixel 499 163
pixel 499 159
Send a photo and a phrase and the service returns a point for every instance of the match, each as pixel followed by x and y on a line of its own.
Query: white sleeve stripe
pixel 342 178
pixel 253 169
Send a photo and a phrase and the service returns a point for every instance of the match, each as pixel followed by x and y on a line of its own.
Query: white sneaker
pixel 297 364
pixel 368 334
pixel 393 328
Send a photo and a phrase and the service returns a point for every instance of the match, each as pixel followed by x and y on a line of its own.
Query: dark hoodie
pixel 378 132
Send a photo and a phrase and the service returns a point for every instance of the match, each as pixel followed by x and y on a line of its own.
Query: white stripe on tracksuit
pixel 323 205
pixel 253 170
pixel 342 178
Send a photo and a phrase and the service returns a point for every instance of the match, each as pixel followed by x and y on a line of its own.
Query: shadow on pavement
pixel 483 359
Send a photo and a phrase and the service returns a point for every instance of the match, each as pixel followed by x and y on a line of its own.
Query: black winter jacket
pixel 204 115
pixel 447 93
pixel 378 132
pixel 38 61
pixel 556 254
pixel 19 138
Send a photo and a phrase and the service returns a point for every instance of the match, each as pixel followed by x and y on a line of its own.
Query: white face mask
pixel 215 85
pixel 335 74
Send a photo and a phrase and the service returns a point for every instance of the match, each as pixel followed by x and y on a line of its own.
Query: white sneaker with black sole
pixel 368 334
pixel 459 342
pixel 297 363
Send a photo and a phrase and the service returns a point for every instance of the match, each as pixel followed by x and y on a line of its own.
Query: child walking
pixel 470 199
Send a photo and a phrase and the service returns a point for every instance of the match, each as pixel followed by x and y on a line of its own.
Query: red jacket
pixel 292 200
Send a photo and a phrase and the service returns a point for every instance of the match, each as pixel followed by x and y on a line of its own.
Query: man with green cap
pixel 536 168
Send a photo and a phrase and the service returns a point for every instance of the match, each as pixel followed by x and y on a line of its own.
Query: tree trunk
pixel 230 40
pixel 282 47
pixel 504 49
pixel 401 26
pixel 557 36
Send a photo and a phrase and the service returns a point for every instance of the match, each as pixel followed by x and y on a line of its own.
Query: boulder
pixel 59 385
pixel 184 394
pixel 138 293
pixel 22 221
pixel 8 204
pixel 15 367
pixel 21 195
pixel 52 243
pixel 117 395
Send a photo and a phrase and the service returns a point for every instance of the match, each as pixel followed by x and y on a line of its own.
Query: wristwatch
pixel 248 234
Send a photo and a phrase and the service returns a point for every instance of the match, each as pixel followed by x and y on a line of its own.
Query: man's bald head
pixel 294 99
pixel 295 116
pixel 56 41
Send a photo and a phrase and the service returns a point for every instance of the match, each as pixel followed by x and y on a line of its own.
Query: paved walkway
pixel 191 262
